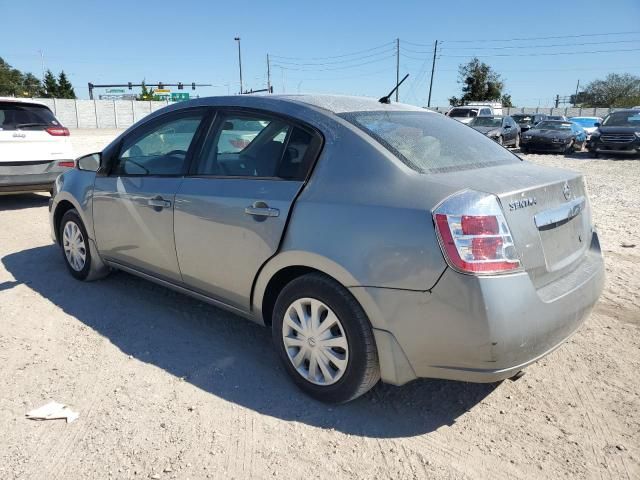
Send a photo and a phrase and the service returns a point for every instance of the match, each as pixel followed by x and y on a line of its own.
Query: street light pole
pixel 237 39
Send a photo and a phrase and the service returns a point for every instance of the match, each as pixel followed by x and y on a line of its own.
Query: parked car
pixel 528 120
pixel 34 146
pixel 587 123
pixel 554 136
pixel 376 241
pixel 469 112
pixel 503 130
pixel 618 133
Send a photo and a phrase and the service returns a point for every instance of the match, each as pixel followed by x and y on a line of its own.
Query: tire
pixel 500 140
pixel 570 148
pixel 356 369
pixel 74 239
pixel 524 149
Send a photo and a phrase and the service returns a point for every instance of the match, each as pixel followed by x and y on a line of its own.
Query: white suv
pixel 34 147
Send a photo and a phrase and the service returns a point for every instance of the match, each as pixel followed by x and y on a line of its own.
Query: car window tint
pixel 161 150
pixel 14 115
pixel 430 143
pixel 254 146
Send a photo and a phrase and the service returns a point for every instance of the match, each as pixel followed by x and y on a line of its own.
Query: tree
pixel 31 86
pixel 51 87
pixel 10 79
pixel 65 89
pixel 479 83
pixel 506 101
pixel 614 91
pixel 145 93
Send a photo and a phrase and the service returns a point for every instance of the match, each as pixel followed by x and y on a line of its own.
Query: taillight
pixel 67 163
pixel 58 131
pixel 474 234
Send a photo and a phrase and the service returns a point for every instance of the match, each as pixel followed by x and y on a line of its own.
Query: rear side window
pixel 26 116
pixel 429 143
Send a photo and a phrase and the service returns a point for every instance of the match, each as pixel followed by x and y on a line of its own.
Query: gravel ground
pixel 168 387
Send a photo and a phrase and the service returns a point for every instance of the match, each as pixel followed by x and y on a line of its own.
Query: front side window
pixel 430 143
pixel 255 146
pixel 160 150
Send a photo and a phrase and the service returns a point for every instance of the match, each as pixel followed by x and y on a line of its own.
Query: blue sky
pixel 345 47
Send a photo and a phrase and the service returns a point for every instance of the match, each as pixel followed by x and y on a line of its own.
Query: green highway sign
pixel 179 96
pixel 114 90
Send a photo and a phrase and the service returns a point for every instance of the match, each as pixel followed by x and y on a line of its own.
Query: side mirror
pixel 597 124
pixel 89 163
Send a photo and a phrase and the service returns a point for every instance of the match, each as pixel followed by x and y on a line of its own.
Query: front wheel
pixel 76 249
pixel 570 148
pixel 324 339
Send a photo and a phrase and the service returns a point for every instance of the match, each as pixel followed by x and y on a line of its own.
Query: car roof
pixel 331 103
pixel 22 100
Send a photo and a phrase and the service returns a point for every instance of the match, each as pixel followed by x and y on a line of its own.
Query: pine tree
pixel 51 88
pixel 65 89
pixel 145 93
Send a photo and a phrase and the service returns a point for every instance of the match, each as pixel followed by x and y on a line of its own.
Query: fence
pixel 124 113
pixel 100 113
pixel 566 111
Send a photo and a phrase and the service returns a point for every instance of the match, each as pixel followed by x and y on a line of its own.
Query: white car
pixel 34 147
pixel 588 124
pixel 466 113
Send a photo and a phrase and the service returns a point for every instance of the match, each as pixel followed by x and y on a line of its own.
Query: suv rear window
pixel 25 116
pixel 430 143
pixel 463 112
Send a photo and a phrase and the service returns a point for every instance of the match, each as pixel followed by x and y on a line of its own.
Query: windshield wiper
pixel 387 99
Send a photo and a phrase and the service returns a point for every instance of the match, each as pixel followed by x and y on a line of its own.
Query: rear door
pixel 30 135
pixel 133 204
pixel 231 211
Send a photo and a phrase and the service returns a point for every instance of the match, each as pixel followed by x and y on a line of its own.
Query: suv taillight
pixel 474 234
pixel 58 131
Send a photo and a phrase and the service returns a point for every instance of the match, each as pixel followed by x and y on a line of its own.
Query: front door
pixel 133 205
pixel 231 211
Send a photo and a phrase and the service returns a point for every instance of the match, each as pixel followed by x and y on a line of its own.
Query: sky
pixel 343 47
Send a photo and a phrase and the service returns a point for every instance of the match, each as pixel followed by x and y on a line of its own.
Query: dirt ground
pixel 168 387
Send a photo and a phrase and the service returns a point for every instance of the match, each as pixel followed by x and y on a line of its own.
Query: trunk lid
pixel 32 146
pixel 547 210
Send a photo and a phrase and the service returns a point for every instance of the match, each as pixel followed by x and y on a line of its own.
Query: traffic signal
pixel 193 86
pixel 160 85
pixel 180 86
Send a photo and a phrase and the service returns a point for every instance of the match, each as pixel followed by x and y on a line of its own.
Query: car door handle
pixel 158 202
pixel 261 210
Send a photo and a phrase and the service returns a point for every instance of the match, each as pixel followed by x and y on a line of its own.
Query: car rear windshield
pixel 25 116
pixel 622 119
pixel 430 143
pixel 523 118
pixel 554 125
pixel 486 122
pixel 463 112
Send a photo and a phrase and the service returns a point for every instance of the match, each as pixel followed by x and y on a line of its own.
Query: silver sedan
pixel 377 241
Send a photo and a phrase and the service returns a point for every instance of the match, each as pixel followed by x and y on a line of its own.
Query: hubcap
pixel 74 247
pixel 315 341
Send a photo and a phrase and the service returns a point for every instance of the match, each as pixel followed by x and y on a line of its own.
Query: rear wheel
pixel 324 339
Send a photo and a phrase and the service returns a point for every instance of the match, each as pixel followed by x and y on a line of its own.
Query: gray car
pixel 376 241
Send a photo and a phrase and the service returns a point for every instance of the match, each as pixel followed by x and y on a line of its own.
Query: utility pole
pixel 433 68
pixel 397 66
pixel 268 75
pixel 557 100
pixel 575 98
pixel 42 63
pixel 237 39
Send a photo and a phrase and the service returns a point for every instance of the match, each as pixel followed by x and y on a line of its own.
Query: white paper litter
pixel 53 411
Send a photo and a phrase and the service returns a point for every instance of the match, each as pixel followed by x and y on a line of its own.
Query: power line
pixel 337 56
pixel 519 47
pixel 543 54
pixel 304 69
pixel 334 62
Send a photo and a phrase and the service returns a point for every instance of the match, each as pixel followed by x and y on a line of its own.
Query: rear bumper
pixel 29 177
pixel 479 329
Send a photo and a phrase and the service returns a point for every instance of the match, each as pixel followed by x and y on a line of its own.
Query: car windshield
pixel 486 122
pixel 430 143
pixel 463 112
pixel 622 119
pixel 14 115
pixel 585 121
pixel 522 119
pixel 554 126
